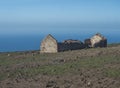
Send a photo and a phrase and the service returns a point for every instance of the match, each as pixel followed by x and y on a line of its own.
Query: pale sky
pixel 18 16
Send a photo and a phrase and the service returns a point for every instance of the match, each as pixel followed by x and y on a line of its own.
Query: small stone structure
pixel 87 43
pixel 50 44
pixel 70 45
pixel 96 41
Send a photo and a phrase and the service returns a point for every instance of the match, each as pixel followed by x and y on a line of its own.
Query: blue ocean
pixel 10 43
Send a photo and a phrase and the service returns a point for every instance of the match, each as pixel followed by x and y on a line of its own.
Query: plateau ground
pixel 86 68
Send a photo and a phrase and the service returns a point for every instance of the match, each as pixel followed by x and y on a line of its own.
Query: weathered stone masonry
pixel 50 44
pixel 96 41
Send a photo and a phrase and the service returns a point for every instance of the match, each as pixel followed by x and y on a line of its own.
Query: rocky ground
pixel 87 68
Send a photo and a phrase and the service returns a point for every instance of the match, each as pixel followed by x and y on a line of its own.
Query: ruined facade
pixel 96 41
pixel 50 44
pixel 70 45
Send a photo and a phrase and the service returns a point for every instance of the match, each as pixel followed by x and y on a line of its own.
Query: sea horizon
pixel 26 42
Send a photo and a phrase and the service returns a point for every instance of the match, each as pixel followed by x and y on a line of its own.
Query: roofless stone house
pixel 50 45
pixel 96 41
pixel 70 45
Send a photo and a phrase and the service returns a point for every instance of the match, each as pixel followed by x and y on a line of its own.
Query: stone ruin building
pixel 96 41
pixel 50 44
pixel 70 45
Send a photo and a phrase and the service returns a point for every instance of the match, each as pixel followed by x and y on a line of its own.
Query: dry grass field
pixel 86 68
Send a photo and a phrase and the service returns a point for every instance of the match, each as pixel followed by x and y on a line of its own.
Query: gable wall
pixel 49 45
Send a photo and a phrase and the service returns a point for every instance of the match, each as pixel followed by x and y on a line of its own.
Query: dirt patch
pixel 90 68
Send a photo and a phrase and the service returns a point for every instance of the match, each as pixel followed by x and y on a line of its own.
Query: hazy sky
pixel 18 16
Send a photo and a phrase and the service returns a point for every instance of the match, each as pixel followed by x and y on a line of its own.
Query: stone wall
pixel 87 43
pixel 96 41
pixel 70 46
pixel 49 45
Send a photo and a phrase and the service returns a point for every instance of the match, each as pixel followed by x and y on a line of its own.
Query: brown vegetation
pixel 86 68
